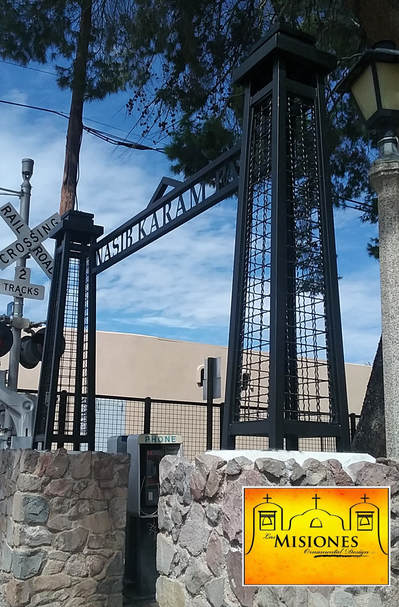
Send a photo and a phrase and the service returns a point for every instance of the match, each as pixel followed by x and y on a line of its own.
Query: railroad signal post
pixel 27 171
pixel 27 242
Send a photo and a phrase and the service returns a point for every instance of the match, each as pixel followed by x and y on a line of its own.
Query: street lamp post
pixel 374 84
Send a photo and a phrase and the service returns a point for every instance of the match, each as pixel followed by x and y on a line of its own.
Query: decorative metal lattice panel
pixel 71 405
pixel 307 393
pixel 307 388
pixel 255 336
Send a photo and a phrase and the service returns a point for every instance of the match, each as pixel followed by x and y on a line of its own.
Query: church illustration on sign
pixel 317 527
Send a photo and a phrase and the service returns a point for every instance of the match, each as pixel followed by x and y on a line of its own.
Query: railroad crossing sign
pixel 28 242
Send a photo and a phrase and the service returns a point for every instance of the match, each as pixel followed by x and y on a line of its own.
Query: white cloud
pixel 183 280
pixel 361 318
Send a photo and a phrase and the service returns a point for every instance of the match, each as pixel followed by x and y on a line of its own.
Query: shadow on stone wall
pixel 370 433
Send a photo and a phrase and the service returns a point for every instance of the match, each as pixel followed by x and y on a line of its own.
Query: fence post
pixel 352 422
pixel 221 414
pixel 147 415
pixel 62 418
pixel 211 368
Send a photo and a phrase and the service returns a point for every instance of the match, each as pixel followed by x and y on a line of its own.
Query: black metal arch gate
pixel 285 376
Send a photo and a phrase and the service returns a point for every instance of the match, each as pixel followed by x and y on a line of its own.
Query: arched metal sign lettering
pixel 215 182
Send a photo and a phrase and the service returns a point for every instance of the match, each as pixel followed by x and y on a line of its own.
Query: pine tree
pixel 91 37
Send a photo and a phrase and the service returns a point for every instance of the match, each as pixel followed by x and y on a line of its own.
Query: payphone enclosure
pixel 146 452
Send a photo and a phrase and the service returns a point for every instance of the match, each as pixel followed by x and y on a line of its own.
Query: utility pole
pixel 24 197
pixel 75 125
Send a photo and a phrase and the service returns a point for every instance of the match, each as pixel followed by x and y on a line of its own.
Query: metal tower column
pixel 285 371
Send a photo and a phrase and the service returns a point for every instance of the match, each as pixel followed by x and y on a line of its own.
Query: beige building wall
pixel 357 377
pixel 152 366
pixel 140 366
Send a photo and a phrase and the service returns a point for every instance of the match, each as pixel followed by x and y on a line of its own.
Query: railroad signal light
pixel 6 339
pixel 32 349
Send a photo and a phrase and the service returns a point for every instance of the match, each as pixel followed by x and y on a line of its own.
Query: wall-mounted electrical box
pixel 212 378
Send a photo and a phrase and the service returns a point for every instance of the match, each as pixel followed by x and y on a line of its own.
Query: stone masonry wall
pixel 62 528
pixel 200 539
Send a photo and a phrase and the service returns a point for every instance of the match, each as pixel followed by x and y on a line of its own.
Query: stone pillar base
pixel 62 528
pixel 199 546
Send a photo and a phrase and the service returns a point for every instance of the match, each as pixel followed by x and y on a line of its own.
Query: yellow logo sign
pixel 316 535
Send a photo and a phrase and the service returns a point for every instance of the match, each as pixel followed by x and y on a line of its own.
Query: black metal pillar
pixel 231 408
pixel 210 391
pixel 279 311
pixel 66 399
pixel 285 370
pixel 147 415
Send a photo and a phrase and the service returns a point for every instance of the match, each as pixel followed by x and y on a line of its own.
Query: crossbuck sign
pixel 28 241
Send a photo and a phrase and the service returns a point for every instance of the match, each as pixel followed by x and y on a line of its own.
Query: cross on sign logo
pixel 28 241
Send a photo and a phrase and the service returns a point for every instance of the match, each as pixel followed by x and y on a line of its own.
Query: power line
pixel 119 141
pixel 362 208
pixel 65 115
pixel 35 69
pixel 356 205
pixel 27 67
pixel 104 124
pixel 34 107
pixel 113 139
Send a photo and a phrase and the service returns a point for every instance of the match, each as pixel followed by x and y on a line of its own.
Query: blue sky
pixel 178 287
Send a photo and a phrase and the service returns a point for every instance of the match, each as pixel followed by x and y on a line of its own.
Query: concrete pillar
pixel 384 178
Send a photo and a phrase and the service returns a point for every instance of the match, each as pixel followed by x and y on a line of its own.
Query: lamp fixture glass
pixel 363 91
pixel 374 84
pixel 388 78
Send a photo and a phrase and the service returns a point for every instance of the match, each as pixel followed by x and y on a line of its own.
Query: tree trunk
pixel 370 433
pixel 379 19
pixel 75 125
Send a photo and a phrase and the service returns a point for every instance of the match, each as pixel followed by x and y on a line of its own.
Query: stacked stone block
pixel 62 528
pixel 199 546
